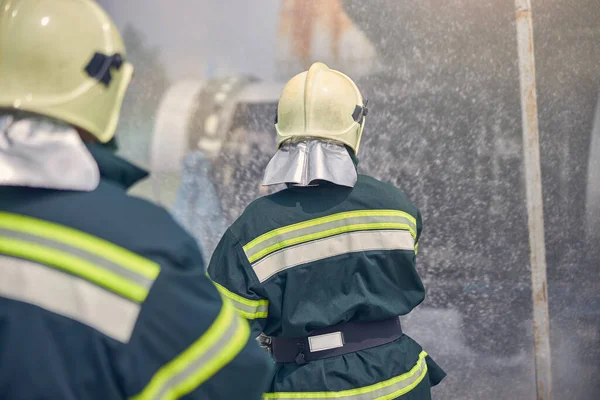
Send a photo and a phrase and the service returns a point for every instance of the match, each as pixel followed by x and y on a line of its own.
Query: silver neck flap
pixel 44 153
pixel 303 162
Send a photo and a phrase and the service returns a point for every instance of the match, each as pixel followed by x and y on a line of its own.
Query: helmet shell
pixel 321 103
pixel 64 59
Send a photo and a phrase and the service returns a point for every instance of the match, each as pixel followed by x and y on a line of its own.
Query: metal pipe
pixel 592 204
pixel 533 175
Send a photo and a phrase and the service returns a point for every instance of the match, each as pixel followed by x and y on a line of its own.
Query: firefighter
pixel 102 295
pixel 326 267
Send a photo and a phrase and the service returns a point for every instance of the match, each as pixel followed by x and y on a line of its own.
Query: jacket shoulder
pixel 110 214
pixel 383 195
pixel 291 206
pixel 144 228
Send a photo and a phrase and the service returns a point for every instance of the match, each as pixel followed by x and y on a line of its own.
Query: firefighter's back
pixel 350 248
pixel 103 296
pixel 330 255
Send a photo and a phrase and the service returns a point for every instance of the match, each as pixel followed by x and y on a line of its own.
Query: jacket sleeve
pixel 234 277
pixel 190 342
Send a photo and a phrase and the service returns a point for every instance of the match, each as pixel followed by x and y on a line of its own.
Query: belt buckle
pixel 265 342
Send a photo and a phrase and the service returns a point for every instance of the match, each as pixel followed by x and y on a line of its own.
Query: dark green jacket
pixel 103 296
pixel 309 258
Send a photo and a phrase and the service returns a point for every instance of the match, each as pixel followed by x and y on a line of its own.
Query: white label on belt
pixel 325 342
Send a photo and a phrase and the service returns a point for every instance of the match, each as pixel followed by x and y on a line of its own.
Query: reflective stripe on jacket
pixel 308 258
pixel 104 296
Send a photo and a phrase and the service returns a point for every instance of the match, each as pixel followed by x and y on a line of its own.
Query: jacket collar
pixel 114 168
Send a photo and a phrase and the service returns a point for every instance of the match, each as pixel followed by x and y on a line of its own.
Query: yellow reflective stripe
pixel 220 344
pixel 329 232
pixel 84 241
pixel 329 218
pixel 331 225
pixel 74 265
pixel 386 390
pixel 249 309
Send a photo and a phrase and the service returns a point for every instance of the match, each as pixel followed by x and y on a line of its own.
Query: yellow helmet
pixel 321 103
pixel 64 59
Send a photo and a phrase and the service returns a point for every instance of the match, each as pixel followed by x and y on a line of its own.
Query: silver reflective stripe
pixel 350 223
pixel 390 389
pixel 214 352
pixel 80 253
pixel 69 296
pixel 330 247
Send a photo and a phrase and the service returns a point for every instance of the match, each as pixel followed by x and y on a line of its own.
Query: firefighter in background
pixel 102 295
pixel 326 267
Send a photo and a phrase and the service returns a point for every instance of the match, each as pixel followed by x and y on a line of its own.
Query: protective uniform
pixel 102 295
pixel 326 266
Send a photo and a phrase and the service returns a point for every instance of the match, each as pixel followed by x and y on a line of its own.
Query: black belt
pixel 335 341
